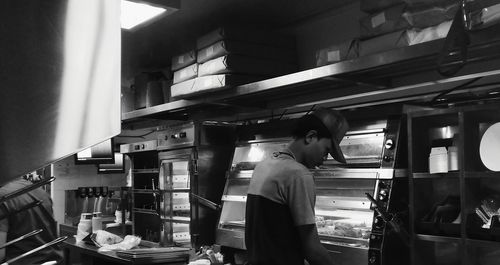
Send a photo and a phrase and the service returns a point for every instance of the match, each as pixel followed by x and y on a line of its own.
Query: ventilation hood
pixel 60 80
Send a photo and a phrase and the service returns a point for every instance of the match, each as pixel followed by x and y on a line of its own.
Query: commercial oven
pixel 193 158
pixel 348 225
pixel 178 180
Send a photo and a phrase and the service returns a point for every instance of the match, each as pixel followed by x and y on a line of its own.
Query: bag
pixel 471 16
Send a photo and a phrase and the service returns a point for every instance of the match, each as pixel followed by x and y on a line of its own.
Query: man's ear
pixel 310 136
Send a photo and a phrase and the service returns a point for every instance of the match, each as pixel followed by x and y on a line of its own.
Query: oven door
pixel 175 184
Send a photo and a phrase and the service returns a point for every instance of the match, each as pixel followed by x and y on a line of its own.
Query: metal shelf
pixel 484 174
pixel 396 75
pixel 451 175
pixel 433 238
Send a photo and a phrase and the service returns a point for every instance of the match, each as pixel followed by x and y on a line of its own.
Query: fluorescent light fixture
pixel 134 13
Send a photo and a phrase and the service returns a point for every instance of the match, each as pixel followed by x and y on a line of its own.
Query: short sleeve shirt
pixel 281 196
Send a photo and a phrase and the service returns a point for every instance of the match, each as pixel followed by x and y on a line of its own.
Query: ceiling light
pixel 134 13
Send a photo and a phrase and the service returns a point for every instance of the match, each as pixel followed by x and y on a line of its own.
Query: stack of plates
pixel 176 255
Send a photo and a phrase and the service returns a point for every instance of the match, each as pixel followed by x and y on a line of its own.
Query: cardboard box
pixel 209 83
pixel 335 53
pixel 384 22
pixel 383 43
pixel 186 73
pixel 244 34
pixel 430 16
pixel 225 47
pixel 236 64
pixel 183 60
pixel 416 36
pixel 373 6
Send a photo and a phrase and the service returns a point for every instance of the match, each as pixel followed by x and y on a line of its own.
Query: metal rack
pixel 393 76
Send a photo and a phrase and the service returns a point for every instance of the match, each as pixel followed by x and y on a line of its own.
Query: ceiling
pixel 153 45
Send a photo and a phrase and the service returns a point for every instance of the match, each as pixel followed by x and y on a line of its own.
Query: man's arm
pixel 314 251
pixel 4 228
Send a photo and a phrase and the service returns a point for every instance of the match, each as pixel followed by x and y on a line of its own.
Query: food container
pixel 438 160
pixel 452 158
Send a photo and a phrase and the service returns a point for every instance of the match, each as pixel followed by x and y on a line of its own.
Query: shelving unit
pixel 146 196
pixel 451 234
pixel 396 75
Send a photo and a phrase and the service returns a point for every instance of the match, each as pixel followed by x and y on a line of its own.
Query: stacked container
pixel 231 56
pixel 398 23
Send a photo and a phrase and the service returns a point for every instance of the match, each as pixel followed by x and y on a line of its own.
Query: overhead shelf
pixel 391 76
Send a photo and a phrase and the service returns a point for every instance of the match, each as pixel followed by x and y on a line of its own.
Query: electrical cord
pixel 433 101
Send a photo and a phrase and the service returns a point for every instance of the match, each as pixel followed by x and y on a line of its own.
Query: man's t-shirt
pixel 281 196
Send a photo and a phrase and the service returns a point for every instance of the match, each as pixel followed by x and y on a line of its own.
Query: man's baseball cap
pixel 337 125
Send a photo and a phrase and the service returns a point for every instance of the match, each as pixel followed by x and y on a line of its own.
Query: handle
pixel 26 189
pixel 210 204
pixel 25 207
pixel 32 233
pixel 53 242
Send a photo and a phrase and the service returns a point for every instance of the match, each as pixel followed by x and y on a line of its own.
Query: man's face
pixel 317 151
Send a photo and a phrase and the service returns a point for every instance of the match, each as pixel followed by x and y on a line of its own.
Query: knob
pixel 389 144
pixel 143 146
pixel 382 195
pixel 182 135
pixel 379 222
pixel 387 158
pixel 173 136
pixel 166 137
pixel 372 259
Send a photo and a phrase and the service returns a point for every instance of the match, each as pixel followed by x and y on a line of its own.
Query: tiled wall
pixel 70 176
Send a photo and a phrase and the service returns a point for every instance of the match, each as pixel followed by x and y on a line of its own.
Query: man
pixel 19 224
pixel 280 219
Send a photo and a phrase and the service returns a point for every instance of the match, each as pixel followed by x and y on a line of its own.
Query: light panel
pixel 133 13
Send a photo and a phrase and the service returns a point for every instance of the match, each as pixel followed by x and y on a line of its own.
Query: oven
pixel 349 226
pixel 192 158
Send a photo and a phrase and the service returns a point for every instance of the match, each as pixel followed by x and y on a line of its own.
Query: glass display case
pixel 231 228
pixel 343 213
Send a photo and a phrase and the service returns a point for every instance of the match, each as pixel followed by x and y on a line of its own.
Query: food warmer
pixel 348 225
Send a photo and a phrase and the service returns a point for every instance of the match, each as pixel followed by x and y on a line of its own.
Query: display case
pixel 343 213
pixel 231 227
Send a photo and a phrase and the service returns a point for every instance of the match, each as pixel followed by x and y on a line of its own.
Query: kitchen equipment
pixel 178 181
pixel 489 148
pixel 348 224
pixel 192 158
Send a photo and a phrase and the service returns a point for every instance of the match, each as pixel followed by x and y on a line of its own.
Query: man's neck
pixel 296 147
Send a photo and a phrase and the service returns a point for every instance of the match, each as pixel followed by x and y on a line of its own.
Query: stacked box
pixel 373 6
pixel 186 73
pixel 184 67
pixel 231 56
pixel 335 53
pixel 398 23
pixel 183 60
pixel 209 83
pixel 383 22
